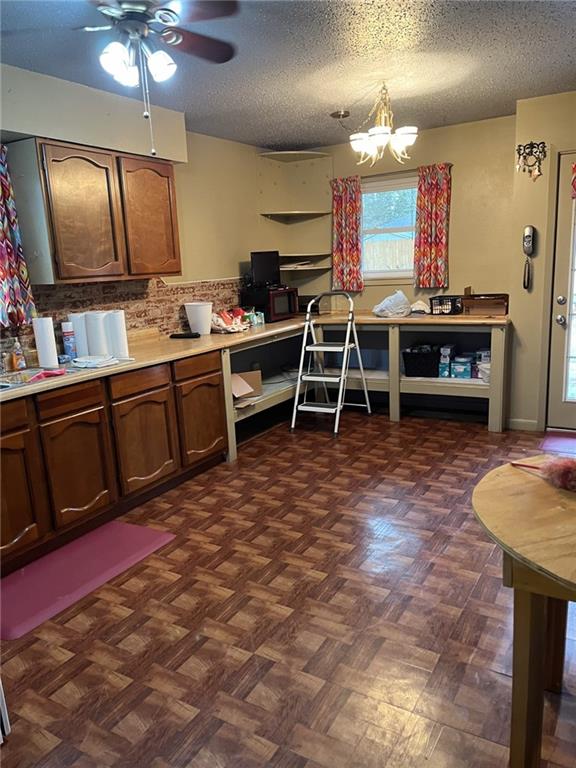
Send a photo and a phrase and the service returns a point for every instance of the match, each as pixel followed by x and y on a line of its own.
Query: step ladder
pixel 311 369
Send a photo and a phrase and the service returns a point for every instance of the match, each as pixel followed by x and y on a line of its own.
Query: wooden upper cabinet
pixel 80 466
pixel 25 513
pixel 86 212
pixel 150 216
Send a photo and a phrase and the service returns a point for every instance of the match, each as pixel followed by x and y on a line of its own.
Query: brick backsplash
pixel 147 303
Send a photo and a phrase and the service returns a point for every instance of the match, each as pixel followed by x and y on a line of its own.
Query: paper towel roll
pixel 78 320
pixel 116 333
pixel 96 333
pixel 45 342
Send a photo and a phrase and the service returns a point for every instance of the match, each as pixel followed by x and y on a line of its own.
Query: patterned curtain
pixel 16 302
pixel 574 181
pixel 431 236
pixel 346 236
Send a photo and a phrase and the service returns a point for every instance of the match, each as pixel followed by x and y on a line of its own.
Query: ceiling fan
pixel 145 26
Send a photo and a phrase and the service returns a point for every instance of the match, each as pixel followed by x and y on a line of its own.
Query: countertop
pixel 152 348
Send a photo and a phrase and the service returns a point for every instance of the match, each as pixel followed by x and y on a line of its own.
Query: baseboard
pixel 524 425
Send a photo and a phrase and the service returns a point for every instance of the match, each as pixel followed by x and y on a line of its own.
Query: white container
pixel 45 342
pixel 199 314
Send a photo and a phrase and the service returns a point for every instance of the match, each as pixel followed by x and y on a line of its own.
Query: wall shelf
pixel 305 255
pixel 310 268
pixel 293 155
pixel 289 217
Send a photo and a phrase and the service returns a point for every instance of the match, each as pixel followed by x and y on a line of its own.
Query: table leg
pixel 528 679
pixel 556 622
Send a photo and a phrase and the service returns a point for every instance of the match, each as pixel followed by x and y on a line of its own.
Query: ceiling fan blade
pixel 209 48
pixel 189 11
pixel 92 29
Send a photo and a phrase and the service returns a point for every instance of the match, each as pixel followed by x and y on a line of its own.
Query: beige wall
pixel 38 105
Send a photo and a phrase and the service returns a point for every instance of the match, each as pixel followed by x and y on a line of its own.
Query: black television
pixel 265 266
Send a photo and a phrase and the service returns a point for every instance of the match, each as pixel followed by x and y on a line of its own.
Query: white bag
pixel 396 305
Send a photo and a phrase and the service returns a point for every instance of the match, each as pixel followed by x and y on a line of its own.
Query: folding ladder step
pixel 329 378
pixel 326 346
pixel 318 407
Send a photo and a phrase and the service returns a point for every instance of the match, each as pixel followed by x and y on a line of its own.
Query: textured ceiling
pixel 445 62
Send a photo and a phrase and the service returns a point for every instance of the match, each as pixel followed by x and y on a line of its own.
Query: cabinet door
pixel 25 513
pixel 86 212
pixel 150 216
pixel 146 438
pixel 202 418
pixel 78 455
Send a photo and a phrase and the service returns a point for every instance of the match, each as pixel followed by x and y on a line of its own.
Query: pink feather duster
pixel 561 472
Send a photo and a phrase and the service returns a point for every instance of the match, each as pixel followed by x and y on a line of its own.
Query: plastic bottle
pixel 18 359
pixel 69 340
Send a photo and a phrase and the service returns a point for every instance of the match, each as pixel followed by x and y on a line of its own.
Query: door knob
pixel 561 319
pixel 561 300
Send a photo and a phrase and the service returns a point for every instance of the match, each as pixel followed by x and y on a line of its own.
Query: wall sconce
pixel 530 158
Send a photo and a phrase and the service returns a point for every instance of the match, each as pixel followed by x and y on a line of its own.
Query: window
pixel 388 219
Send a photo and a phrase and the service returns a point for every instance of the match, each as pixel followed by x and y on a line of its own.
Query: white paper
pixel 45 342
pixel 96 333
pixel 115 322
pixel 240 386
pixel 78 320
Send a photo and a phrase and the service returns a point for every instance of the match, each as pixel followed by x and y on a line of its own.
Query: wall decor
pixel 530 158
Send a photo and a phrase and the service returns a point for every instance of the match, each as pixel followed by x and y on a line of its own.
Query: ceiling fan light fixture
pixel 114 58
pixel 161 66
pixel 128 77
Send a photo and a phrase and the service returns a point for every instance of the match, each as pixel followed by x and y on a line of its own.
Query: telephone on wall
pixel 529 248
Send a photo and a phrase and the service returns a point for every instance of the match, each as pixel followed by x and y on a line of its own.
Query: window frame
pixel 373 185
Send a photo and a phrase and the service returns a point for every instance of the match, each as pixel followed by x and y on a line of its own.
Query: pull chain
pixel 147 114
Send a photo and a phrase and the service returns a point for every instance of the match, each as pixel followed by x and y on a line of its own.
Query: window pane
pixel 392 251
pixel 394 209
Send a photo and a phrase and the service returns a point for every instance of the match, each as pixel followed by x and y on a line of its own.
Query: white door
pixel 562 374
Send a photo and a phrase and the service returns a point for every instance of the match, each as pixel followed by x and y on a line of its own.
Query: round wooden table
pixel 535 524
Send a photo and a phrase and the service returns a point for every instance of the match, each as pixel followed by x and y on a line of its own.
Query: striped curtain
pixel 431 236
pixel 346 234
pixel 16 302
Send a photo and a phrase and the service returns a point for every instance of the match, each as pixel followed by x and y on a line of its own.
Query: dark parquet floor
pixel 325 604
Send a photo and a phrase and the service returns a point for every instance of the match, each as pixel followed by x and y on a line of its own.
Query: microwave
pixel 276 303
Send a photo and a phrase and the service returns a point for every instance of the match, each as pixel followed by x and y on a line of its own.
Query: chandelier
pixel 371 144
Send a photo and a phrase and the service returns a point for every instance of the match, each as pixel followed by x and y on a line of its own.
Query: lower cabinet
pixel 79 464
pixel 25 512
pixel 201 417
pixel 146 438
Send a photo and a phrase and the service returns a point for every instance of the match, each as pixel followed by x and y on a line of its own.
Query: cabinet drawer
pixel 59 402
pixel 13 414
pixel 196 366
pixel 128 384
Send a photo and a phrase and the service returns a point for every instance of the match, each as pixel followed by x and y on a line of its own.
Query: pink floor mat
pixel 56 581
pixel 560 442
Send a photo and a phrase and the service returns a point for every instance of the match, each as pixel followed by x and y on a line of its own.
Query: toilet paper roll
pixel 45 342
pixel 96 333
pixel 78 320
pixel 116 332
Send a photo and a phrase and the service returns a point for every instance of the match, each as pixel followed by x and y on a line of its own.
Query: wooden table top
pixel 530 519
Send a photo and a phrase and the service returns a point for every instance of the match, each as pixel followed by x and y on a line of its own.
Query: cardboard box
pixel 461 370
pixel 444 370
pixel 246 384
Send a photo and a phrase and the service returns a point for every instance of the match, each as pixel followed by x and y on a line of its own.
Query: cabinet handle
pixel 17 537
